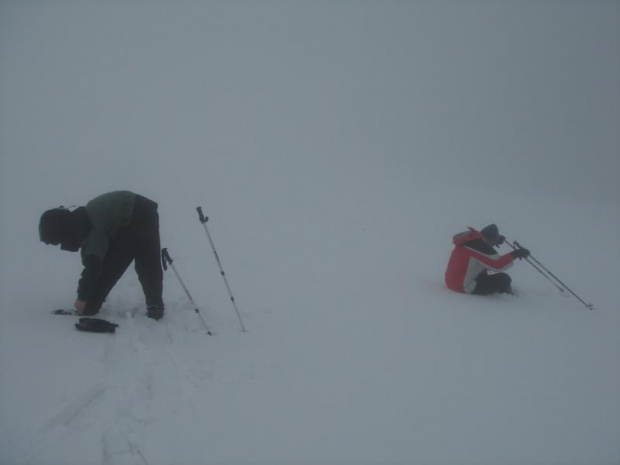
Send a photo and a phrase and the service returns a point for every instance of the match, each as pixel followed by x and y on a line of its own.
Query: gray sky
pixel 519 95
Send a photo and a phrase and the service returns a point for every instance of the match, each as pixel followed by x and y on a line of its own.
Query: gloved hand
pixel 520 253
pixel 79 305
pixel 500 240
pixel 82 308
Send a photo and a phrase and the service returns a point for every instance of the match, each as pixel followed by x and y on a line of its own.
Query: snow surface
pixel 337 147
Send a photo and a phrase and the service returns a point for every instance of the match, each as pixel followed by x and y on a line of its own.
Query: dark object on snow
pixel 62 311
pixel 95 325
pixel 85 312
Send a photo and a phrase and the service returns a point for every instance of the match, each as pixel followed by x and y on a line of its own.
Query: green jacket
pixel 107 212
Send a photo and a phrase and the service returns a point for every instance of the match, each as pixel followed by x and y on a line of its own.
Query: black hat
pixel 53 225
pixel 490 232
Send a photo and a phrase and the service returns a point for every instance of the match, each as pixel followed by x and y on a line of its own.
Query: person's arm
pixel 89 280
pixel 488 257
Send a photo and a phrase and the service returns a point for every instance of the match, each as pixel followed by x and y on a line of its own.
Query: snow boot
pixel 156 312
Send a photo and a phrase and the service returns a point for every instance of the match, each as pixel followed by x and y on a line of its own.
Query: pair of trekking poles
pixel 167 260
pixel 548 274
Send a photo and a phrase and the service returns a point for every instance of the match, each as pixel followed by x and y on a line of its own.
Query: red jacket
pixel 470 257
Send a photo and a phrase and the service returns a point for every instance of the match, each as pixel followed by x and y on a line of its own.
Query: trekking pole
pixel 204 219
pixel 514 247
pixel 549 274
pixel 590 306
pixel 168 261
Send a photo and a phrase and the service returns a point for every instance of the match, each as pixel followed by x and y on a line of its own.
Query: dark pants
pixel 138 241
pixel 498 283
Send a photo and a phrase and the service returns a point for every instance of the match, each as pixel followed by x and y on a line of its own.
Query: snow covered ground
pixel 337 147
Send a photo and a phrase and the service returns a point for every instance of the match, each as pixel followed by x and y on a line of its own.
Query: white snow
pixel 337 147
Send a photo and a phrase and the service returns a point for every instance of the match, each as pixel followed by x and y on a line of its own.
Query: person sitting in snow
pixel 472 259
pixel 111 231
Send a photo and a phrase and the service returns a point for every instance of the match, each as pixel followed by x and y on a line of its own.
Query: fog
pixel 514 96
pixel 336 146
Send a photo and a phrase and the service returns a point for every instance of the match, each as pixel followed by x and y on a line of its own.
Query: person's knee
pixel 504 283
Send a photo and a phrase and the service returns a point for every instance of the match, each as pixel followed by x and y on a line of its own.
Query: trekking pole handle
pixel 516 246
pixel 165 258
pixel 513 245
pixel 203 219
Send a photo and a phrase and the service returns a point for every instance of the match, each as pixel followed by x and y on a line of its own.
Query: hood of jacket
pixel 466 236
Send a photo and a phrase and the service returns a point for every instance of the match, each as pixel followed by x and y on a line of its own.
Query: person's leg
pixel 487 284
pixel 117 260
pixel 148 255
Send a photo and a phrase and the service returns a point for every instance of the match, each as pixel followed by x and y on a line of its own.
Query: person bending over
pixel 111 231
